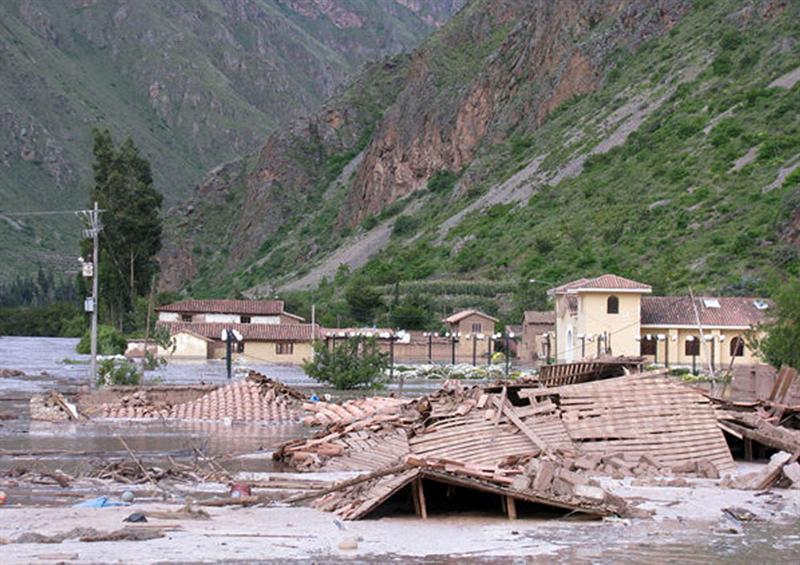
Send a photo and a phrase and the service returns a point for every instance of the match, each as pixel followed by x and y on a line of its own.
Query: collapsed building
pixel 544 444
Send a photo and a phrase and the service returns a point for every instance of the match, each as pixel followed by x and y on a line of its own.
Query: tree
pixel 355 362
pixel 781 344
pixel 131 236
pixel 363 300
pixel 412 313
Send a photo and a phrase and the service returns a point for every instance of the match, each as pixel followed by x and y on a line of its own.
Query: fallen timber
pixel 359 499
pixel 560 374
pixel 640 414
pixel 521 442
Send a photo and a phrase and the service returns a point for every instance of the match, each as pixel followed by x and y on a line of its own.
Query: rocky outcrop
pixel 499 66
pixel 546 53
pixel 194 83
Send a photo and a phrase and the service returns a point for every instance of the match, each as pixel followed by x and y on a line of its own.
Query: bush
pixel 779 346
pixel 405 225
pixel 109 342
pixel 442 181
pixel 113 372
pixel 355 362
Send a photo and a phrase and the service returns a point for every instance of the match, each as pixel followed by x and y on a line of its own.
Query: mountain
pixel 527 139
pixel 194 82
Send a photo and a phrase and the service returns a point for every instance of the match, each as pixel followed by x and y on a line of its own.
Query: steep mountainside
pixel 194 82
pixel 533 139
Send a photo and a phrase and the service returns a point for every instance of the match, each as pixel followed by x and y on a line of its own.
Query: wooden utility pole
pixel 92 219
pixel 703 343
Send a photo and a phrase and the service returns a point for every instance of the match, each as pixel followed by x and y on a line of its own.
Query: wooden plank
pixel 511 414
pixel 421 494
pixel 511 507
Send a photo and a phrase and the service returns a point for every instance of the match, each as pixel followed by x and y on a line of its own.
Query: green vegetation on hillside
pixel 693 197
pixel 195 82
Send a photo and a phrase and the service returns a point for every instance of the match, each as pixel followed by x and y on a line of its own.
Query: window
pixel 612 305
pixel 284 348
pixel 476 328
pixel 692 347
pixel 737 347
pixel 245 319
pixel 186 317
pixel 648 346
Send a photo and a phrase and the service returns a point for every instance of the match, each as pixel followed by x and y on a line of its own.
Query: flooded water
pixel 75 447
pixel 53 364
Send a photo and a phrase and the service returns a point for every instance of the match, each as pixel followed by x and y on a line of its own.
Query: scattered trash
pixel 128 497
pixel 99 502
pixel 239 490
pixel 740 514
pixel 53 407
pixel 348 544
pixel 136 517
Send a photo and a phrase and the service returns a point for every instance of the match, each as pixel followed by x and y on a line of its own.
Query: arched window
pixel 737 347
pixel 612 305
pixel 647 346
pixel 570 354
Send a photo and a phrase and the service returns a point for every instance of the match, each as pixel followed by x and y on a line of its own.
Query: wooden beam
pixel 511 414
pixel 511 507
pixel 423 508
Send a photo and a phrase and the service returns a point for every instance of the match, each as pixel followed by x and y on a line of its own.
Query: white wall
pixel 273 320
pixel 169 317
pixel 222 318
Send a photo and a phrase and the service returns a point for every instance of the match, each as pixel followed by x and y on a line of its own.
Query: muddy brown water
pixel 77 447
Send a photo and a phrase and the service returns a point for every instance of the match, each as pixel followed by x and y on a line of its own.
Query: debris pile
pixel 547 481
pixel 52 407
pixel 560 374
pixel 324 413
pixel 135 473
pixel 524 441
pixel 634 416
pixel 257 398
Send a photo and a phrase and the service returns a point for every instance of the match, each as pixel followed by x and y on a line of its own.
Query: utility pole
pixel 92 218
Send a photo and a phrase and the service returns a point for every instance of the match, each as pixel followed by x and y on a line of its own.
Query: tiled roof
pixel 257 332
pixel 241 401
pixel 603 282
pixel 677 310
pixel 246 307
pixel 458 316
pixel 534 317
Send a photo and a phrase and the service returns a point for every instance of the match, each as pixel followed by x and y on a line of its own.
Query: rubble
pixel 550 484
pixel 257 398
pixel 324 413
pixel 560 374
pixel 543 442
pixel 53 407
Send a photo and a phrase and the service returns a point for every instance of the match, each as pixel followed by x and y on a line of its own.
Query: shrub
pixel 442 181
pixel 355 362
pixel 113 372
pixel 109 342
pixel 369 222
pixel 405 225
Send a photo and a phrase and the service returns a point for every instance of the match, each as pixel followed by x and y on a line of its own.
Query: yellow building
pixel 614 315
pixel 598 316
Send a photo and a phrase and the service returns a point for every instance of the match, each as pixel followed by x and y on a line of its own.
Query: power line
pixel 41 213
